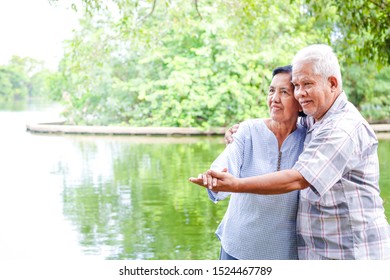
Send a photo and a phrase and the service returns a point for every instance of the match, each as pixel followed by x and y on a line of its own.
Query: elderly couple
pixel 301 187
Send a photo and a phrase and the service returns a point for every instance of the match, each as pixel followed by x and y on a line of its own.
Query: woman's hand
pixel 229 133
pixel 223 181
pixel 217 181
pixel 206 180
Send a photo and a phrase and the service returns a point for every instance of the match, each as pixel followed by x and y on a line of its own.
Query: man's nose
pixel 298 92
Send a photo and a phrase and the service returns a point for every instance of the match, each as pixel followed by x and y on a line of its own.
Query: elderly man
pixel 340 214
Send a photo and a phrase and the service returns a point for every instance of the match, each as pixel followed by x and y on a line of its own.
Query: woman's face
pixel 283 106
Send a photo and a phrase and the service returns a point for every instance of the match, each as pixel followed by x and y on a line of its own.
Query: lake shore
pixel 57 127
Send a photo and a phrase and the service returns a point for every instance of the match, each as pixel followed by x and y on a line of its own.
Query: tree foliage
pixel 361 28
pixel 174 63
pixel 23 77
pixel 364 28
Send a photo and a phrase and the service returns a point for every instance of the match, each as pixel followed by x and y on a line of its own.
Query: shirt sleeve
pixel 325 159
pixel 232 158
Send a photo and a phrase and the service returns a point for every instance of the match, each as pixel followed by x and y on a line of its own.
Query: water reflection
pixel 131 200
pixel 118 197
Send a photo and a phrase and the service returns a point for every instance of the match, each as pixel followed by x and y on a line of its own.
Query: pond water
pixel 109 197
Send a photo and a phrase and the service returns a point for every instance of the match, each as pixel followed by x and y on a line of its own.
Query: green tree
pixel 172 69
pixel 14 82
pixel 144 63
pixel 6 87
pixel 363 28
pixel 377 109
pixel 24 77
pixel 360 28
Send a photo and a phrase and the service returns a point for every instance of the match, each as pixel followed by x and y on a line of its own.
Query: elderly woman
pixel 262 226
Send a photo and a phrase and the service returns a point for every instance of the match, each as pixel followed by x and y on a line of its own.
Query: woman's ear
pixel 301 113
pixel 300 108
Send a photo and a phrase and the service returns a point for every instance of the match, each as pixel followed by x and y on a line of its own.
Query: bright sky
pixel 34 28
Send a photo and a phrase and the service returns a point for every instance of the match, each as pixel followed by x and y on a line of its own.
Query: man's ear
pixel 334 83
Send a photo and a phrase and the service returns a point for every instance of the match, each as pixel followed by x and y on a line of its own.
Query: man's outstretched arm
pixel 273 183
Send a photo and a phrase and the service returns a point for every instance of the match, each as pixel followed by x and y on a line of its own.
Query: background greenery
pixel 203 63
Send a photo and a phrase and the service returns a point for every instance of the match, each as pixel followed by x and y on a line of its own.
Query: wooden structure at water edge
pixel 382 130
pixel 120 130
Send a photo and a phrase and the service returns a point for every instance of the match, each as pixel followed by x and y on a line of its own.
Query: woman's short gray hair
pixel 323 59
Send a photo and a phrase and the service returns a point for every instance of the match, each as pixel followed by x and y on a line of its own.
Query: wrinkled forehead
pixel 302 71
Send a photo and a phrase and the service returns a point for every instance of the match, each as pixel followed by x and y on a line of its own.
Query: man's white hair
pixel 323 59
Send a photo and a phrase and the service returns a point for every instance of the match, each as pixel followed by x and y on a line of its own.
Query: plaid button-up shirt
pixel 341 215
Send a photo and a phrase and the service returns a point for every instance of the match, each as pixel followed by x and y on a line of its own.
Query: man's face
pixel 312 91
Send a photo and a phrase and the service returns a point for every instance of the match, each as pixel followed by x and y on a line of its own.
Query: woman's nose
pixel 276 97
